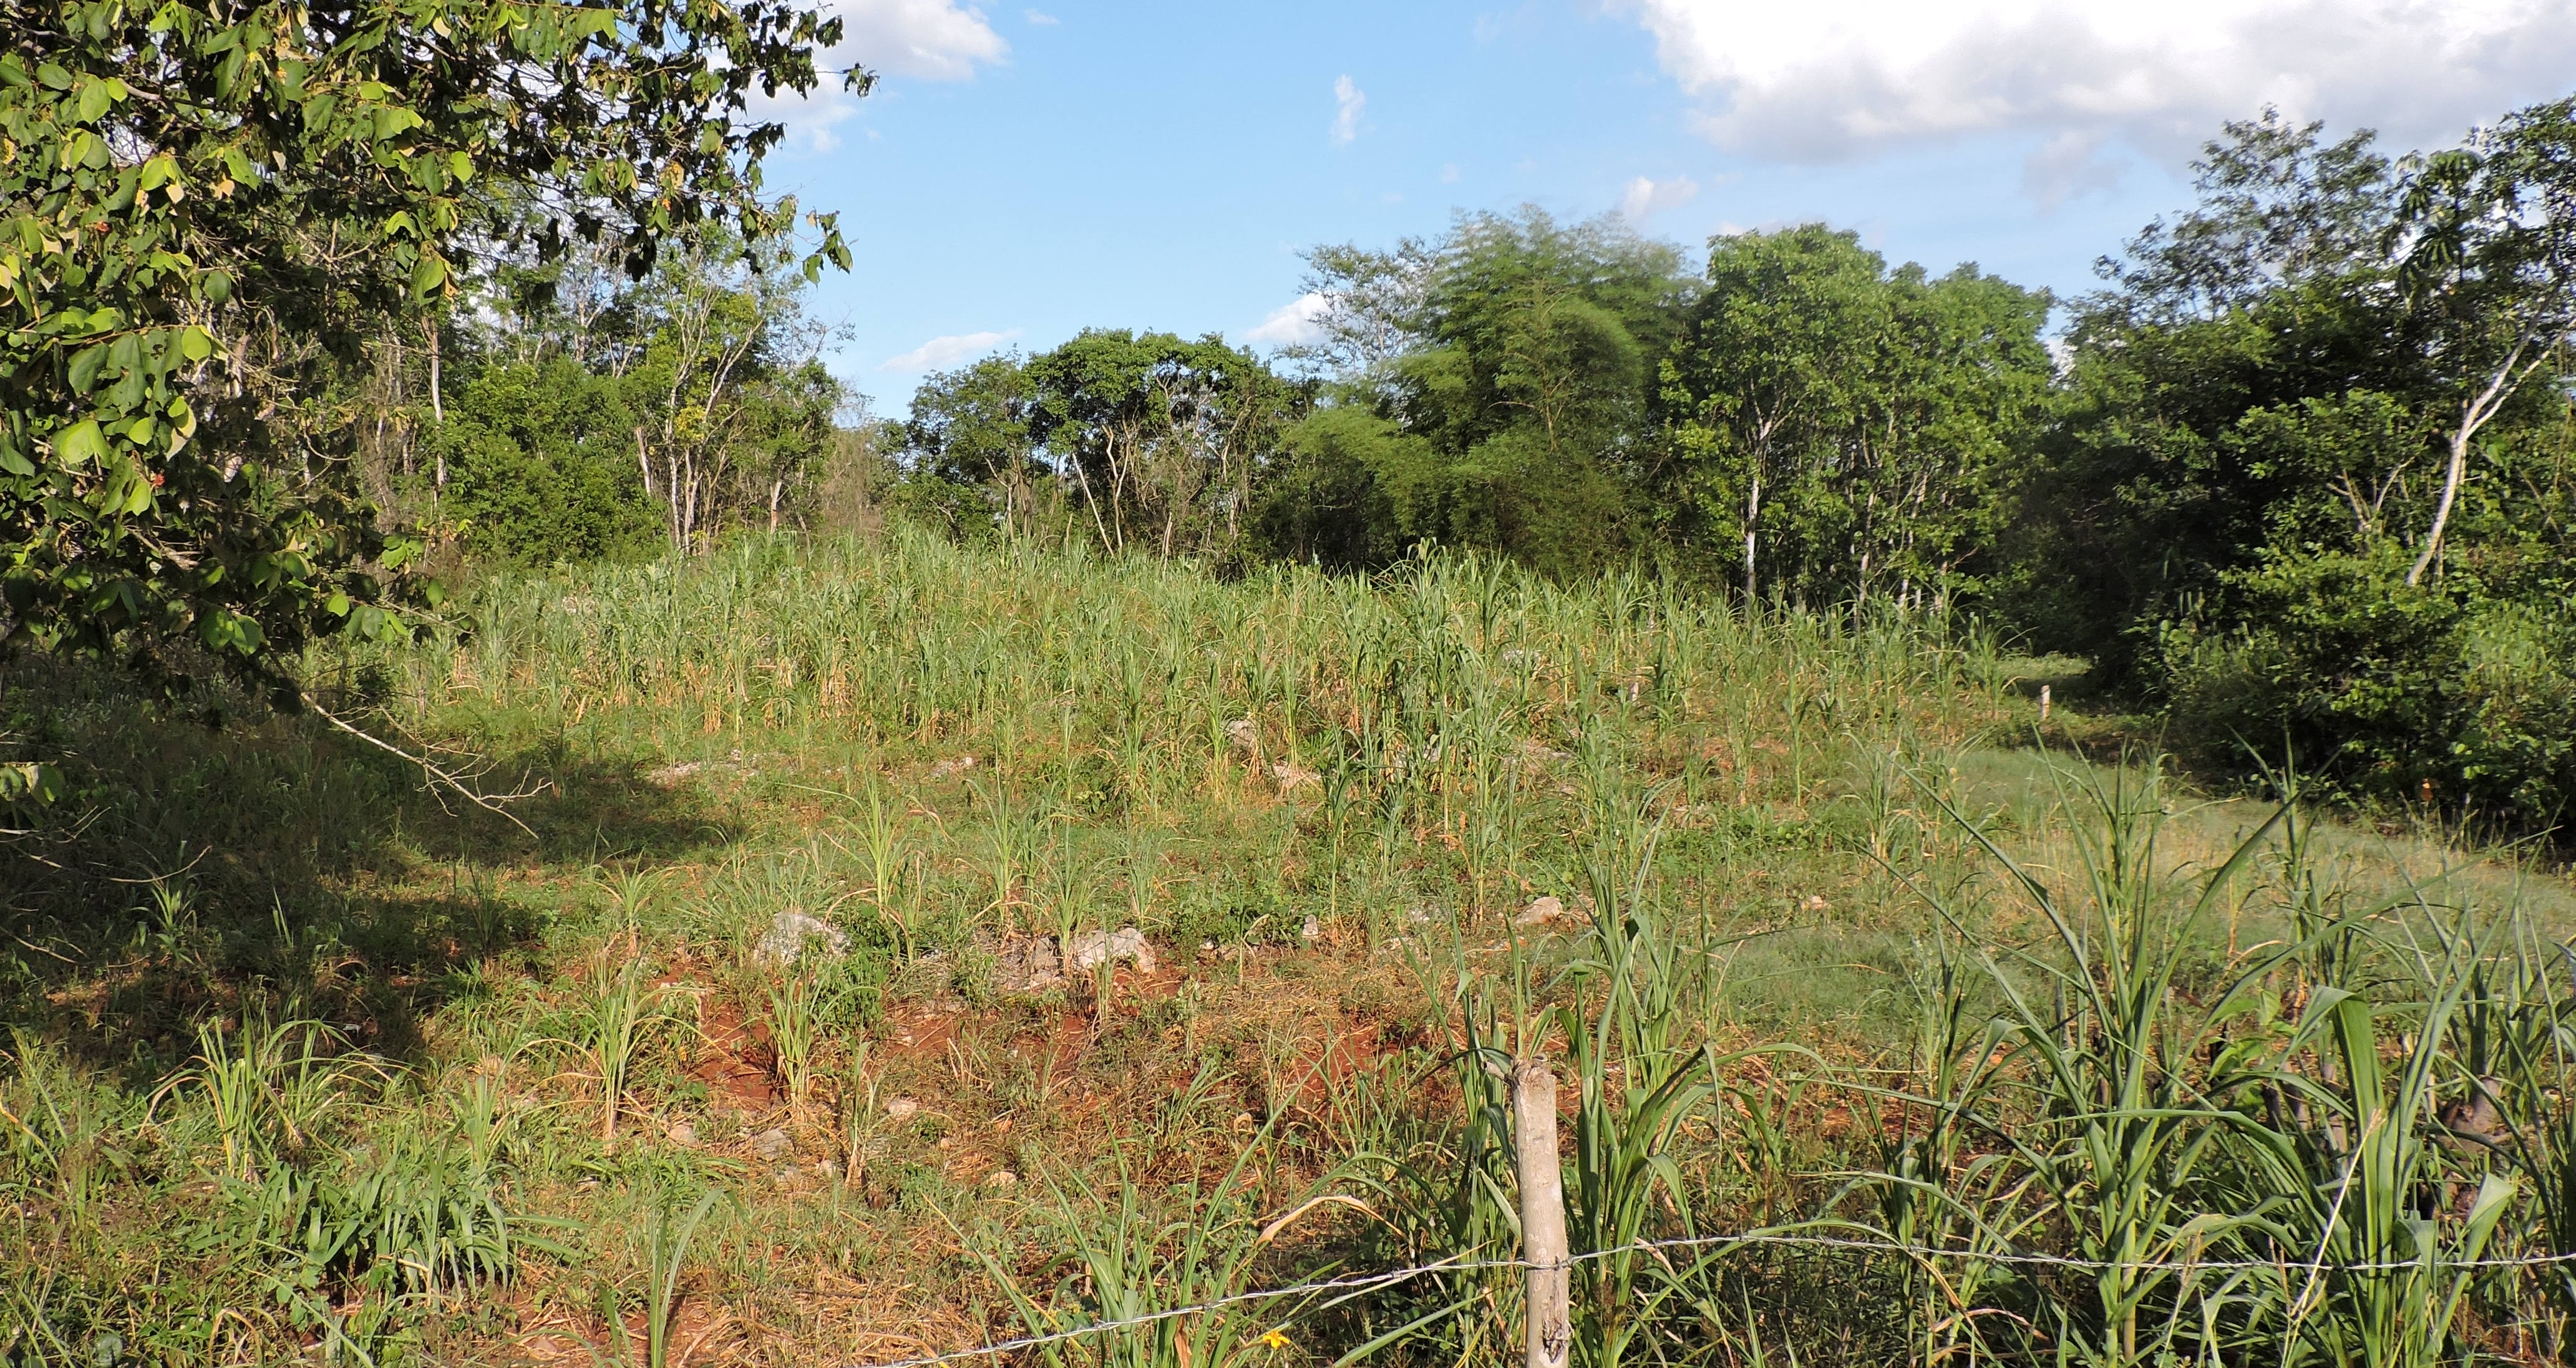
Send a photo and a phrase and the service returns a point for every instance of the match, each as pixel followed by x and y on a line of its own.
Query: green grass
pixel 309 1063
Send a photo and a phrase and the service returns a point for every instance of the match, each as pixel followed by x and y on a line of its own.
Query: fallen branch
pixel 437 776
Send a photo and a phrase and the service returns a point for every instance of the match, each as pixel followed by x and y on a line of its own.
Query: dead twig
pixel 437 776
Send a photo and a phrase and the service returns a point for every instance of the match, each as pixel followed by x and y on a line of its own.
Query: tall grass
pixel 2126 1096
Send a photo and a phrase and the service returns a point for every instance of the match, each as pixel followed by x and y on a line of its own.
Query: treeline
pixel 565 411
pixel 2301 473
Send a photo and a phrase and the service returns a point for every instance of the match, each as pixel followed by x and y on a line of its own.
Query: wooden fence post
pixel 1542 1186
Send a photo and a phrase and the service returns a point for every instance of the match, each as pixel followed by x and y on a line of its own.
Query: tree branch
pixel 436 774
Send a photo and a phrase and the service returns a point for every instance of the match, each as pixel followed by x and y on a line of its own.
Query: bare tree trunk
pixel 643 460
pixel 2473 415
pixel 437 400
pixel 1752 517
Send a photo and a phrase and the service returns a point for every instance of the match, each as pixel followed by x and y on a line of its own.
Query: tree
pixel 970 431
pixel 2313 476
pixel 205 203
pixel 2489 246
pixel 1845 423
pixel 1160 440
pixel 1516 358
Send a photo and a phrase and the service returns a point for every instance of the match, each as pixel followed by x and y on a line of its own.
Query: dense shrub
pixel 2387 688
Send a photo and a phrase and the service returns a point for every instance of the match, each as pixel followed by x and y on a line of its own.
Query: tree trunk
pixel 2473 416
pixel 2451 478
pixel 1752 516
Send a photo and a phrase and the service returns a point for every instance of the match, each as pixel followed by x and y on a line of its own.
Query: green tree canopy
pixel 1850 427
pixel 1515 359
pixel 203 204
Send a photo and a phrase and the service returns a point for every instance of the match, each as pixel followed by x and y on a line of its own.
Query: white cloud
pixel 1298 321
pixel 1645 197
pixel 932 40
pixel 1830 81
pixel 940 353
pixel 1449 173
pixel 1040 18
pixel 1348 101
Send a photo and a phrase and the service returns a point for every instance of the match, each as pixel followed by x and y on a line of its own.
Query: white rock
pixel 791 931
pixel 1092 950
pixel 770 1144
pixel 1243 734
pixel 1311 930
pixel 901 1108
pixel 1544 910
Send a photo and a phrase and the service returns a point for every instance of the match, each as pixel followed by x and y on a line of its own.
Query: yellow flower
pixel 1276 1339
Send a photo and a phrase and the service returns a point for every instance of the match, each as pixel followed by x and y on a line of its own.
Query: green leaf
pixel 85 368
pixel 80 444
pixel 196 343
pixel 427 275
pixel 94 99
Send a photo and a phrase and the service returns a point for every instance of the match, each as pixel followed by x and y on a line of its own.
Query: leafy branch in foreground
pixel 205 204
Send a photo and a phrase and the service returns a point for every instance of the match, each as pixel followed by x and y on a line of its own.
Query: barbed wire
pixel 1353 1285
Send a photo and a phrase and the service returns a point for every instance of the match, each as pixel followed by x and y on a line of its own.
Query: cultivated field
pixel 894 948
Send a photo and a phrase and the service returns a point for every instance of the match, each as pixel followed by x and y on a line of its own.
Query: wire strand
pixel 1354 1284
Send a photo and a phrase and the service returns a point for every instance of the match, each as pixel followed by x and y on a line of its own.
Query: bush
pixel 2384 688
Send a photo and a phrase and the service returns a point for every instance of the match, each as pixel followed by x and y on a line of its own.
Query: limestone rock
pixel 1544 910
pixel 791 933
pixel 1091 950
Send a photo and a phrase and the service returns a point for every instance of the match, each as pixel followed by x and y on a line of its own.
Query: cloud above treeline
pixel 934 40
pixel 1827 82
pixel 1348 103
pixel 940 353
pixel 1294 323
pixel 1645 197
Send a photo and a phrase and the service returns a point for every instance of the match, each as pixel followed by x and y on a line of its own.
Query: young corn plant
pixel 266 1089
pixel 2116 1134
pixel 1010 836
pixel 616 1022
pixel 1639 1083
pixel 60 1135
pixel 795 1029
pixel 884 833
pixel 666 1262
pixel 1123 1270
pixel 1941 1190
pixel 2371 1277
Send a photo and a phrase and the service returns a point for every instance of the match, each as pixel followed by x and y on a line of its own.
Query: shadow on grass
pixel 196 874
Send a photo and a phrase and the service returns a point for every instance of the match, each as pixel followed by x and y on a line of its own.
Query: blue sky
pixel 1022 173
